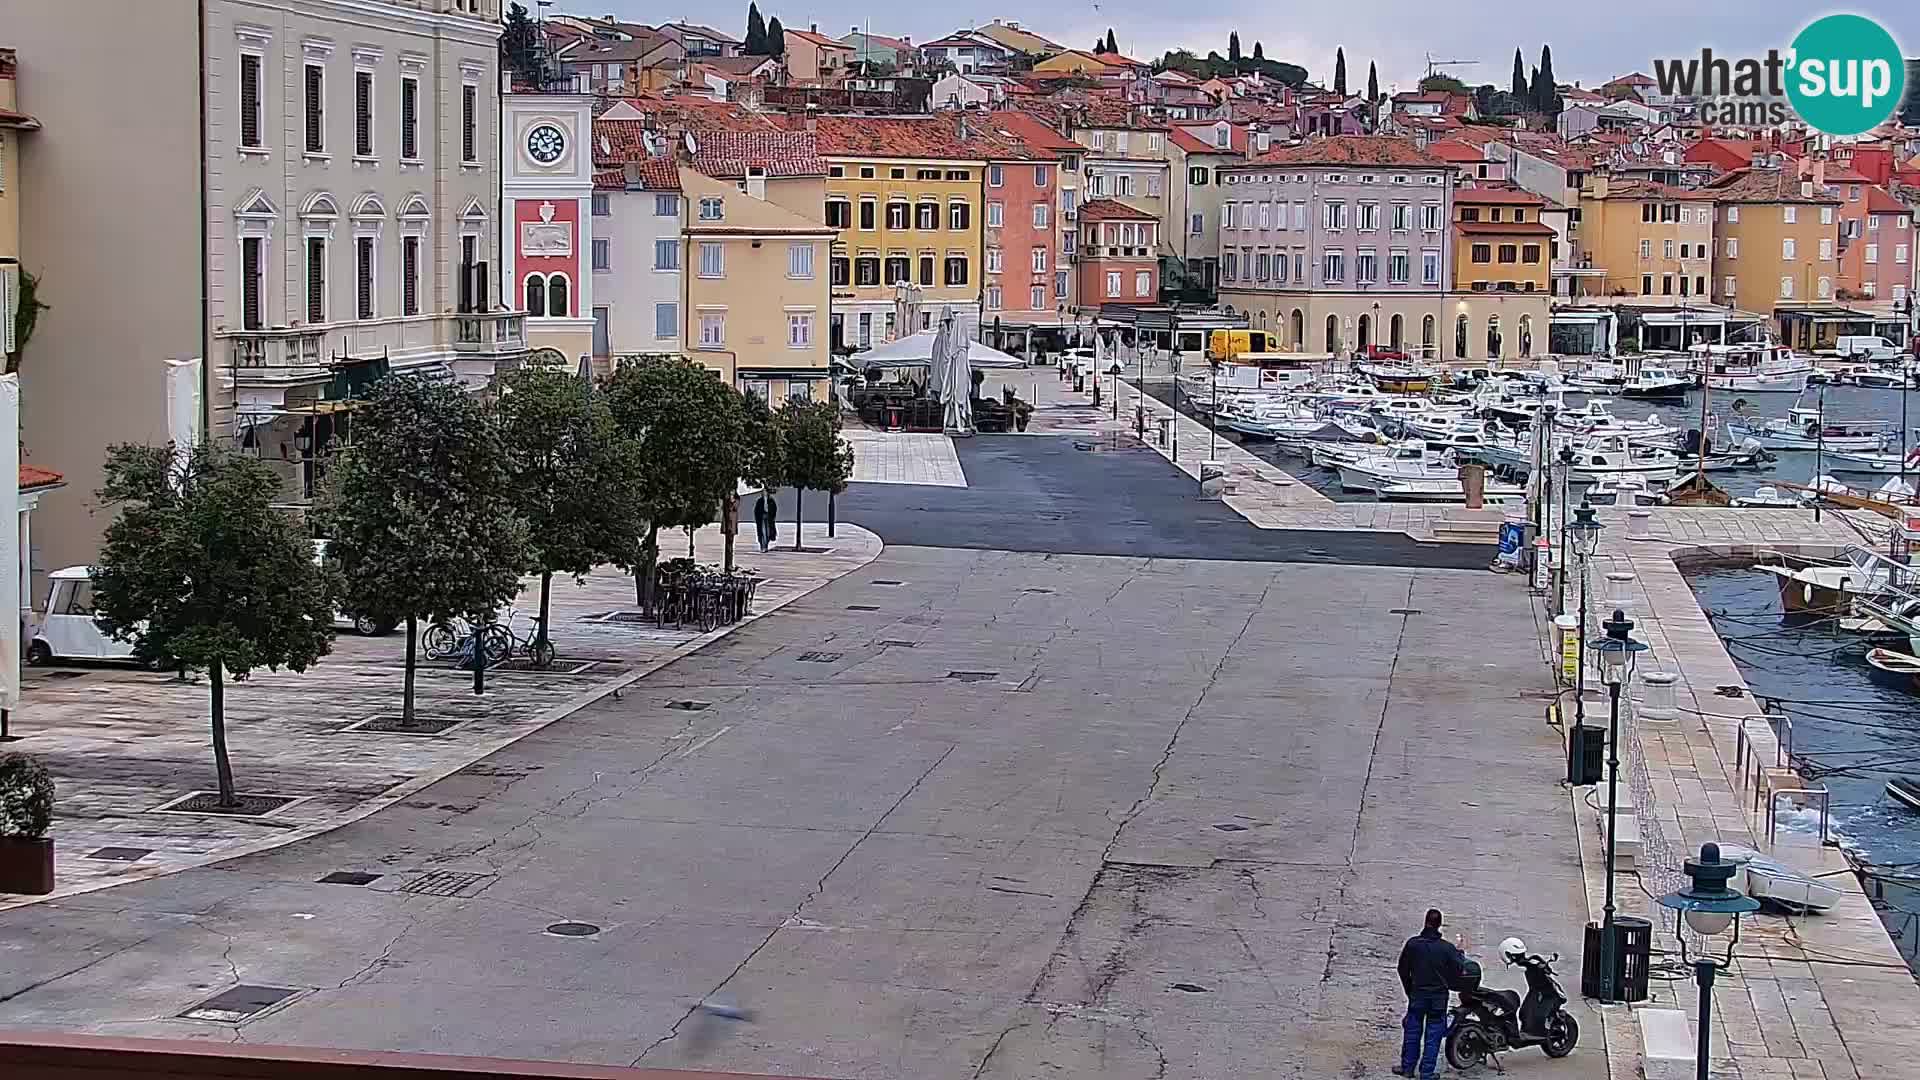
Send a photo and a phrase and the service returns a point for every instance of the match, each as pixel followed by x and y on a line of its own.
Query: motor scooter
pixel 1489 1022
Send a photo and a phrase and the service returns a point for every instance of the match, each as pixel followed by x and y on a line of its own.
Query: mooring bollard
pixel 1639 524
pixel 1656 697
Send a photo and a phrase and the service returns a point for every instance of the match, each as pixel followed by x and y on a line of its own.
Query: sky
pixel 1592 42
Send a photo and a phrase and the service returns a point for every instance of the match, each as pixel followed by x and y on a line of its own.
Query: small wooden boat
pixel 1905 790
pixel 1895 669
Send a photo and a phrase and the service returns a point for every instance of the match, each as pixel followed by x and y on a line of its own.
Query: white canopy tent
pixel 917 350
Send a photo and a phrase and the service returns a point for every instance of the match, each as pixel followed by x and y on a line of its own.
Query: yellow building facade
pixel 1652 241
pixel 757 297
pixel 1775 241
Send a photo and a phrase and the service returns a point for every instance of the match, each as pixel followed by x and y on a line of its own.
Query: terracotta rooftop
pixel 11 119
pixel 816 38
pixel 1628 188
pixel 1423 97
pixel 727 155
pixel 1112 210
pixel 1458 151
pixel 1879 201
pixel 1381 150
pixel 33 476
pixel 1502 196
pixel 1194 143
pixel 1506 228
pixel 1034 132
pixel 935 137
pixel 1765 186
pixel 649 174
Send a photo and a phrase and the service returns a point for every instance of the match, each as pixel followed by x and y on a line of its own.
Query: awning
pixel 1697 316
pixel 1825 314
pixel 916 350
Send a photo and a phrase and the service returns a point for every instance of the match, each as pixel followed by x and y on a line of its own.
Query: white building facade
pixel 636 255
pixel 547 220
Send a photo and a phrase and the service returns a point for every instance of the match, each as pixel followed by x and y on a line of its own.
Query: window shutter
pixel 409 111
pixel 469 107
pixel 316 109
pixel 249 100
pixel 250 307
pixel 410 275
pixel 364 282
pixel 6 312
pixel 363 113
pixel 316 280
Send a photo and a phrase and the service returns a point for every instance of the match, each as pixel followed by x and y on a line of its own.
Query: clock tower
pixel 546 158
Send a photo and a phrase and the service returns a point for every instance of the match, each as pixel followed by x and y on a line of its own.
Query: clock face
pixel 545 144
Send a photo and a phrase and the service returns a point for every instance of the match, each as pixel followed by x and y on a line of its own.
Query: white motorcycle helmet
pixel 1513 950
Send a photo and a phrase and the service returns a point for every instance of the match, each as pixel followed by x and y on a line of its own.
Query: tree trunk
pixel 546 591
pixel 406 695
pixel 799 515
pixel 690 533
pixel 729 524
pixel 222 767
pixel 829 511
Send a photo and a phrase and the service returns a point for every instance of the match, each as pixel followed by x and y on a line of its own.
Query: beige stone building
pixel 1652 241
pixel 301 192
pixel 1776 240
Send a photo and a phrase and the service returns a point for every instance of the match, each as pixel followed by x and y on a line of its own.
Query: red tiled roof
pixel 1101 111
pixel 1110 210
pixel 676 112
pixel 817 39
pixel 1424 97
pixel 1114 59
pixel 1628 188
pixel 1511 228
pixel 1632 79
pixel 33 476
pixel 9 118
pixel 1458 151
pixel 1846 174
pixel 1503 196
pixel 935 137
pixel 1029 129
pixel 1879 201
pixel 726 155
pixel 1380 150
pixel 1764 186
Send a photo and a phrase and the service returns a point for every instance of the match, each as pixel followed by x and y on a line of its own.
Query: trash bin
pixel 1632 959
pixel 1165 424
pixel 1473 482
pixel 1213 479
pixel 1586 753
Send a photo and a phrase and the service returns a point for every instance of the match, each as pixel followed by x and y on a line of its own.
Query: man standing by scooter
pixel 1430 965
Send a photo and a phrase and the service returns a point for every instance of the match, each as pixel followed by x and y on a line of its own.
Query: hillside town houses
pixel 382 186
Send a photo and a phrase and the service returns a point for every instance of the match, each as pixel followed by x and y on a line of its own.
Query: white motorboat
pixel 1597 377
pixel 1353 395
pixel 1877 378
pixel 1274 419
pixel 1398 463
pixel 1752 368
pixel 1861 461
pixel 1622 489
pixel 1766 495
pixel 1440 489
pixel 1615 454
pixel 1805 429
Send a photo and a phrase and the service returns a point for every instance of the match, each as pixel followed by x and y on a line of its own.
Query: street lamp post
pixel 1585 535
pixel 1708 906
pixel 1114 370
pixel 1566 514
pixel 1617 651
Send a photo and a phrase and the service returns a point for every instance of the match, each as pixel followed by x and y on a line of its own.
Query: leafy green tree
pixel 199 569
pixel 1519 76
pixel 521 51
pixel 1442 83
pixel 420 521
pixel 572 475
pixel 776 38
pixel 1340 72
pixel 756 43
pixel 26 314
pixel 1373 97
pixel 687 426
pixel 816 456
pixel 1110 46
pixel 763 455
pixel 1233 47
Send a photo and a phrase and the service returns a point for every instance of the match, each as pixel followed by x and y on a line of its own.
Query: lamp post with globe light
pixel 1616 652
pixel 1709 907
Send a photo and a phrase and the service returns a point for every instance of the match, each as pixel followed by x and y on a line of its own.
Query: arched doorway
pixel 1460 338
pixel 1261 322
pixel 1395 333
pixel 1299 336
pixel 1429 347
pixel 1365 335
pixel 1526 337
pixel 1333 333
pixel 1493 337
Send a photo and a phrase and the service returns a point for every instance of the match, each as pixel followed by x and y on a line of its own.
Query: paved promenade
pixel 122 743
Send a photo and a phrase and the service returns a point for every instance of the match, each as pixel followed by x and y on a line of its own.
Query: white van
pixel 66 630
pixel 1866 347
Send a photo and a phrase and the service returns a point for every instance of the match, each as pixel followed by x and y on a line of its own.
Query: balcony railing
pixel 292 353
pixel 282 352
pixel 491 332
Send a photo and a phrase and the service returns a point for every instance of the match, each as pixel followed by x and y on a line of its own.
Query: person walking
pixel 1430 966
pixel 764 509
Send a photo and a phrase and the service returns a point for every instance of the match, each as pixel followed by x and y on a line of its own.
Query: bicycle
pixel 448 639
pixel 537 645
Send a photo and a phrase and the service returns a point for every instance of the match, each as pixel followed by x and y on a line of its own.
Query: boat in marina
pixel 1655 383
pixel 1860 461
pixel 1441 489
pixel 1615 454
pixel 1827 587
pixel 1768 496
pixel 1621 489
pixel 1804 428
pixel 1394 374
pixel 1765 367
pixel 1273 418
pixel 1905 790
pixel 1597 376
pixel 1395 464
pixel 1894 669
pixel 1777 886
pixel 1880 378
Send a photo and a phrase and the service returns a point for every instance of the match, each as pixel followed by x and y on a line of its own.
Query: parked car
pixel 364 625
pixel 66 630
pixel 1866 347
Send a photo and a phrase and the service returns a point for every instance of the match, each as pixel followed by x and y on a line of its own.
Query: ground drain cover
pixel 573 929
pixel 1319 553
pixel 1191 988
pixel 863 607
pixel 889 643
pixel 349 877
pixel 818 657
pixel 1037 590
pixel 1403 611
pixel 689 706
pixel 973 676
pixel 66 674
pixel 1231 827
pixel 241 1003
pixel 447 883
pixel 395 725
pixel 121 854
pixel 886 582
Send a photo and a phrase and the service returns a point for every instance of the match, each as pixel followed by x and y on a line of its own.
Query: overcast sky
pixel 1591 42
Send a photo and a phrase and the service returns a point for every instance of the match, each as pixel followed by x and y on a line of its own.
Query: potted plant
pixel 26 812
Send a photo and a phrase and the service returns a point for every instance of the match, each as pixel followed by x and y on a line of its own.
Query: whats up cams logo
pixel 1843 75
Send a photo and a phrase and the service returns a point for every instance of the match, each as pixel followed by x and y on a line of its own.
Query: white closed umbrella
pixel 956 385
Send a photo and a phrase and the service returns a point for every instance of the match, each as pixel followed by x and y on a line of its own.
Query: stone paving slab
pixel 904 457
pixel 122 742
pixel 1820 996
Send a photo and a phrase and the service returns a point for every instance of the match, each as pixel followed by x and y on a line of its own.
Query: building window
pixel 409 119
pixel 1366 266
pixel 1369 216
pixel 1733 247
pixel 1727 286
pixel 1040 216
pixel 1430 217
pixel 1482 253
pixel 363 114
pixel 316 279
pixel 602 253
pixel 666 206
pixel 1666 284
pixel 557 306
pixel 1469 213
pixel 250 106
pixel 1226 216
pixel 993 298
pixel 993 260
pixel 666 321
pixel 409 275
pixel 1143 283
pixel 899 270
pixel 897 215
pixel 836 171
pixel 956 270
pixel 959 216
pixel 960 174
pixel 1666 249
pixel 1263 266
pixel 1790 214
pixel 1333 216
pixel 839 213
pixel 800 261
pixel 1786 287
pixel 1826 212
pixel 1398 268
pixel 1333 267
pixel 1430 267
pixel 666 254
pixel 713 260
pixel 713 329
pixel 926 215
pixel 994 178
pixel 536 295
pixel 363 275
pixel 1060 284
pixel 994 210
pixel 1509 253
pixel 1900 253
pixel 1700 284
pixel 1826 249
pixel 1197 175
pixel 602 204
pixel 1402 217
pixel 866 270
pixel 866 172
pixel 1039 260
pixel 1113 283
pixel 1230 266
pixel 1826 288
pixel 841 270
pixel 1787 250
pixel 1039 176
pixel 712 209
pixel 469 123
pixel 926 270
pixel 252 283
pixel 1530 253
pixel 1646 249
pixel 1646 284
pixel 316 104
pixel 799 329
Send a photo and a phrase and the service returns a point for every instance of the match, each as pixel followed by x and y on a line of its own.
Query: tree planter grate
pixel 524 666
pixel 889 643
pixel 447 883
pixel 1037 591
pixel 690 706
pixel 395 725
pixel 208 802
pixel 973 676
pixel 239 1004
pixel 818 657
pixel 349 877
pixel 1231 827
pixel 1191 988
pixel 120 854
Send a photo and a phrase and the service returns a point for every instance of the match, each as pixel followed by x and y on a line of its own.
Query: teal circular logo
pixel 1846 74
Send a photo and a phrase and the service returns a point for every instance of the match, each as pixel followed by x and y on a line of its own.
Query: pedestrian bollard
pixel 1656 697
pixel 1621 591
pixel 1639 524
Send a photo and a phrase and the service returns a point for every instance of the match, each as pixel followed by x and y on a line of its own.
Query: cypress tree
pixel 776 37
pixel 1547 100
pixel 1233 46
pixel 1519 76
pixel 756 44
pixel 1373 97
pixel 1258 54
pixel 1111 46
pixel 1340 72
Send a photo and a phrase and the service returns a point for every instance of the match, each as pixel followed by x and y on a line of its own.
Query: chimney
pixel 631 173
pixel 813 117
pixel 813 28
pixel 963 120
pixel 757 182
pixel 906 40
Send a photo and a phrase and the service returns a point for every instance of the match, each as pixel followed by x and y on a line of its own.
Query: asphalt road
pixel 1039 493
pixel 962 814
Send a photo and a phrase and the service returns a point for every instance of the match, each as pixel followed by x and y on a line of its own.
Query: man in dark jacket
pixel 1430 966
